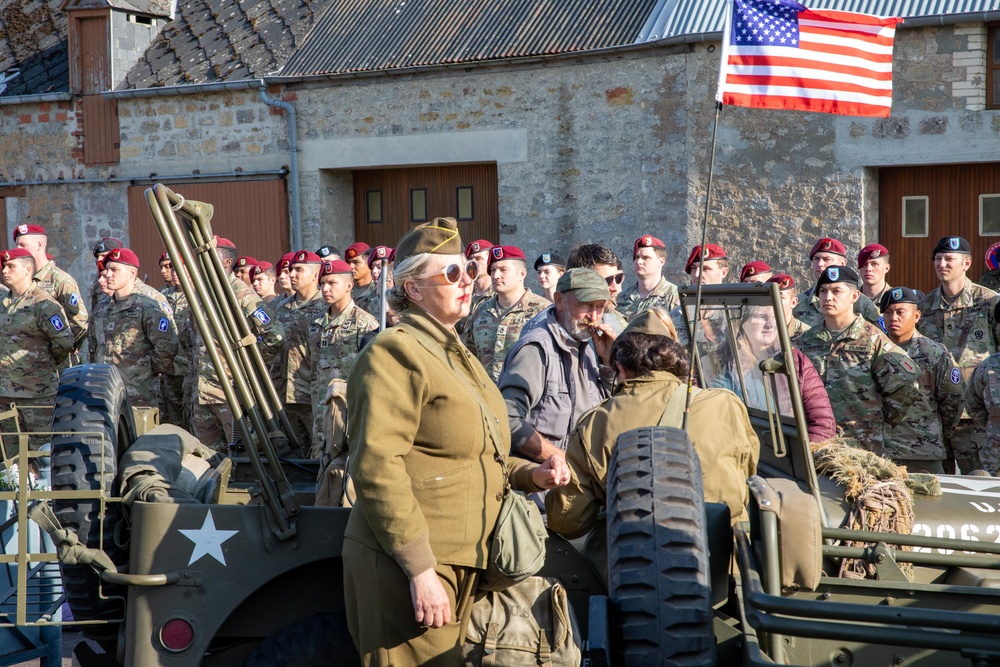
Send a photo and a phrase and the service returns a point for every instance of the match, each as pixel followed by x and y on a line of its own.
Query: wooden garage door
pixel 253 214
pixel 388 202
pixel 952 195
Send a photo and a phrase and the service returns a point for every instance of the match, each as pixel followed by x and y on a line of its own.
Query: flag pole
pixel 704 239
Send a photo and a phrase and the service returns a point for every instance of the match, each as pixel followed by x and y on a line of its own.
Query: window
pixel 464 196
pixel 989 215
pixel 915 216
pixel 993 65
pixel 374 206
pixel 418 205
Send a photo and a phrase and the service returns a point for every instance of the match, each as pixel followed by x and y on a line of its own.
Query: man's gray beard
pixel 578 332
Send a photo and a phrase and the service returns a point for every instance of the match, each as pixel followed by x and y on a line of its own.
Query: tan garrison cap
pixel 438 237
pixel 648 323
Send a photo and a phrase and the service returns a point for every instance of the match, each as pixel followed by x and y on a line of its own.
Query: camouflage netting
pixel 878 491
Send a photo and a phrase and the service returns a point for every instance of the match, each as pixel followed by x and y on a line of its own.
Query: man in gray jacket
pixel 553 374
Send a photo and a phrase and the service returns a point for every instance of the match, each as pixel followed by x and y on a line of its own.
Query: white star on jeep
pixel 208 540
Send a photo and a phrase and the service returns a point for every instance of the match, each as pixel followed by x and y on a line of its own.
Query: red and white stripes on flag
pixel 777 54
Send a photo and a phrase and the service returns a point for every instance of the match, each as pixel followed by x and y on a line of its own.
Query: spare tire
pixel 659 582
pixel 93 413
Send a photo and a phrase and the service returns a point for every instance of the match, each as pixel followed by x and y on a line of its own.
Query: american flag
pixel 777 54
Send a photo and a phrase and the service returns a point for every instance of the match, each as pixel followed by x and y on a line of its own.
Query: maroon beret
pixel 379 253
pixel 502 252
pixel 285 262
pixel 477 246
pixel 164 257
pixel 20 230
pixel 646 242
pixel 14 253
pixel 713 251
pixel 785 281
pixel 826 244
pixel 306 257
pixel 122 256
pixel 223 242
pixel 337 266
pixel 355 249
pixel 871 251
pixel 753 269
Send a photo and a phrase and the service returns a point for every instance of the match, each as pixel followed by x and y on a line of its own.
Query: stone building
pixel 538 126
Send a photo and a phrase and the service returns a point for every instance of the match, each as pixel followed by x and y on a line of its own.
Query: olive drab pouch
pixel 517 550
pixel 530 623
pixel 332 482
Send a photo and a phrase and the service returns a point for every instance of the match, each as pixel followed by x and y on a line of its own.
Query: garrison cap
pixel 379 253
pixel 334 267
pixel 549 259
pixel 356 248
pixel 306 257
pixel 952 244
pixel 753 269
pixel 122 256
pixel 437 237
pixel 647 322
pixel 872 251
pixel 837 274
pixel 107 244
pixel 246 260
pixel 712 251
pixel 646 242
pixel 328 251
pixel 898 295
pixel 223 242
pixel 785 281
pixel 498 253
pixel 285 262
pixel 480 245
pixel 21 230
pixel 826 244
pixel 584 284
pixel 14 253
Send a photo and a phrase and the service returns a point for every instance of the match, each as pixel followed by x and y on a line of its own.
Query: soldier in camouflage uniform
pixel 365 291
pixel 981 405
pixel 496 324
pixel 872 384
pixel 786 285
pixel 960 315
pixel 335 338
pixel 176 386
pixel 101 250
pixel 57 283
pixel 262 279
pixel 756 272
pixel 829 252
pixel 482 288
pixel 284 279
pixel 378 254
pixel 711 267
pixel 243 267
pixel 940 380
pixel 210 414
pixel 873 265
pixel 296 314
pixel 133 330
pixel 167 273
pixel 35 340
pixel 651 289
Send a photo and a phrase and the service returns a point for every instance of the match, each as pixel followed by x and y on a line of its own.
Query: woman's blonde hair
pixel 409 269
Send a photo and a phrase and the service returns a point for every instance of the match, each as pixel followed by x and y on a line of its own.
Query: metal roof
pixel 372 35
pixel 677 18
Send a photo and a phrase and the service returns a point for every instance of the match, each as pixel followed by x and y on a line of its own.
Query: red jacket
pixel 819 413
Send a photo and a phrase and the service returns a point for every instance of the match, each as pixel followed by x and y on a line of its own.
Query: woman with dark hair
pixel 650 367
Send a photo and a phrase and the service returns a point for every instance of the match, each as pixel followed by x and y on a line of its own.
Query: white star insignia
pixel 208 540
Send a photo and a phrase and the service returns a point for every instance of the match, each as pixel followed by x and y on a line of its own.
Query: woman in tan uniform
pixel 428 440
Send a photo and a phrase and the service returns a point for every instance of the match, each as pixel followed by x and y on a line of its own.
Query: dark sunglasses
pixel 617 279
pixel 453 272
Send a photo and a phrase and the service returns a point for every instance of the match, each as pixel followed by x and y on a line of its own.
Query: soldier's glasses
pixel 617 279
pixel 453 272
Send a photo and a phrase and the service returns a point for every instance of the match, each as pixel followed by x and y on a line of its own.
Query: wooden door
pixel 252 214
pixel 388 202
pixel 952 195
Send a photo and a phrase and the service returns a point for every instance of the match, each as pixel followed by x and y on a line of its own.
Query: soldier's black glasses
pixel 453 272
pixel 617 279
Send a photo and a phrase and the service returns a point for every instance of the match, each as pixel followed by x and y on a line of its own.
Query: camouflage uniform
pixel 981 402
pixel 366 298
pixel 710 330
pixel 334 344
pixel 797 327
pixel 35 339
pixel 990 280
pixel 808 311
pixel 968 328
pixel 664 296
pixel 61 287
pixel 96 294
pixel 475 301
pixel 138 335
pixel 941 385
pixel 297 316
pixel 871 382
pixel 211 416
pixel 175 387
pixel 491 330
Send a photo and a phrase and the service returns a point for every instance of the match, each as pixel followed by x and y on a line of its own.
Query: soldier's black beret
pixel 952 244
pixel 549 259
pixel 898 295
pixel 837 274
pixel 328 251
